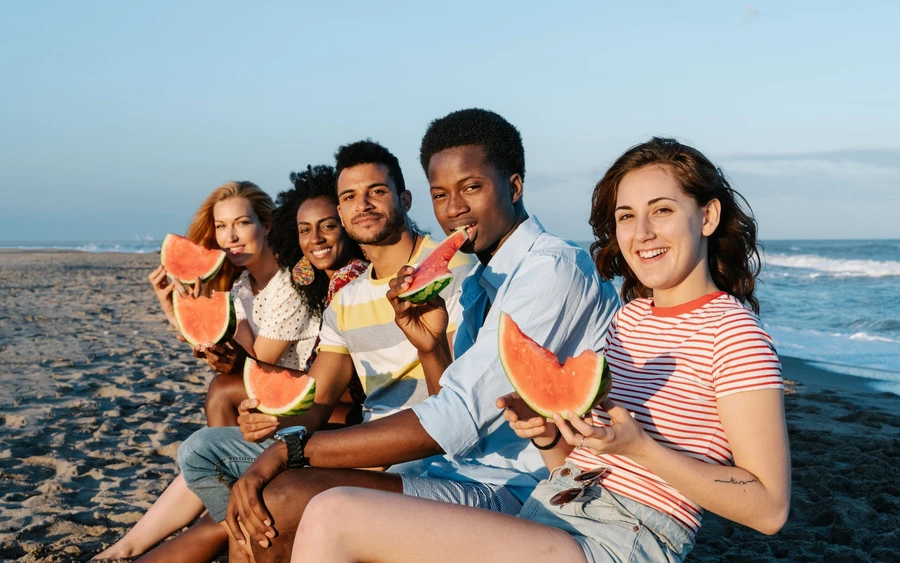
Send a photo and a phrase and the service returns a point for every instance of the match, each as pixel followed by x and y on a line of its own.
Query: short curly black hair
pixel 369 152
pixel 312 183
pixel 500 140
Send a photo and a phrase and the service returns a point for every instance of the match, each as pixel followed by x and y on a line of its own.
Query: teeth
pixel 652 253
pixel 236 249
pixel 321 253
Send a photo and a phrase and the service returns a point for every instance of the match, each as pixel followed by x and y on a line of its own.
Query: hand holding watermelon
pixel 424 324
pixel 163 288
pixel 523 420
pixel 255 426
pixel 622 436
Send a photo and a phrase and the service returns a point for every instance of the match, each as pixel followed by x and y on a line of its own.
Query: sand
pixel 98 394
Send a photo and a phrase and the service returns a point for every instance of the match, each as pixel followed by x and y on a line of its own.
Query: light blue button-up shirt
pixel 551 288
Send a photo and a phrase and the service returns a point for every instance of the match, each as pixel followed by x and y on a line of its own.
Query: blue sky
pixel 118 118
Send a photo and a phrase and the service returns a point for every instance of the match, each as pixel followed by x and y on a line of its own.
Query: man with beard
pixel 358 333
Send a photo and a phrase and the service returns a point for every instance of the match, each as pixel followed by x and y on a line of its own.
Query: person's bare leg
pixel 201 543
pixel 175 508
pixel 420 531
pixel 224 395
pixel 286 497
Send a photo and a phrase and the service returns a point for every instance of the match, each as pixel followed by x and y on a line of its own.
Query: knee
pixel 189 451
pixel 220 406
pixel 196 453
pixel 323 515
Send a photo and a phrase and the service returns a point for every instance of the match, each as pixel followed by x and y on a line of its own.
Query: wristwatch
pixel 295 438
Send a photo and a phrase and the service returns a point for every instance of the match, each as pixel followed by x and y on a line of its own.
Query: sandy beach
pixel 98 394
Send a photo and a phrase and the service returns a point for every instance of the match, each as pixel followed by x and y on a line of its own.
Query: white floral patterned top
pixel 278 313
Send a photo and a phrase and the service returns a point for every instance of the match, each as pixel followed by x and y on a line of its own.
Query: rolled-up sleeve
pixel 553 300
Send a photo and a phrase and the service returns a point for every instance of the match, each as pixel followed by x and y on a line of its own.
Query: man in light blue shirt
pixel 550 288
pixel 475 165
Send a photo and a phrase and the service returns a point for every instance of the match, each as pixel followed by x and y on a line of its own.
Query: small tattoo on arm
pixel 732 481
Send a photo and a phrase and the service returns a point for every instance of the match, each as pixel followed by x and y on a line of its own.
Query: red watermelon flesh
pixel 186 261
pixel 205 320
pixel 548 387
pixel 280 391
pixel 433 274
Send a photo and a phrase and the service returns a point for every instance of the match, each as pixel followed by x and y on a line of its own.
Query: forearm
pixel 434 363
pixel 394 439
pixel 313 419
pixel 555 456
pixel 729 491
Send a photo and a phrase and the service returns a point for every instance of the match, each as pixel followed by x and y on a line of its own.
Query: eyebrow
pixel 651 202
pixel 369 187
pixel 319 222
pixel 460 181
pixel 234 219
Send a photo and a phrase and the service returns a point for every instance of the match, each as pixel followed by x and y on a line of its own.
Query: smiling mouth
pixel 321 253
pixel 652 253
pixel 235 250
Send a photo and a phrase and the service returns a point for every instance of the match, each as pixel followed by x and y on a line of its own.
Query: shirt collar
pixel 491 276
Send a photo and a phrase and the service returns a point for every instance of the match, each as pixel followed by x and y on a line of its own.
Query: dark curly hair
pixel 369 152
pixel 312 183
pixel 733 257
pixel 500 140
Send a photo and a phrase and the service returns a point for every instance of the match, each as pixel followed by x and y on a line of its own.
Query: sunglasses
pixel 586 479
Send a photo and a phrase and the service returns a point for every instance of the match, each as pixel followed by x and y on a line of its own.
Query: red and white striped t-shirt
pixel 669 365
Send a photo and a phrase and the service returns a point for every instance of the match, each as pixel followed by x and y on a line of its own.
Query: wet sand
pixel 98 394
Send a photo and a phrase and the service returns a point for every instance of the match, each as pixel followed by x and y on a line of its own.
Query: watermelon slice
pixel 205 320
pixel 186 261
pixel 281 391
pixel 433 274
pixel 548 387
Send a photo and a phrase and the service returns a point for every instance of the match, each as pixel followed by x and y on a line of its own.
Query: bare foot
pixel 118 550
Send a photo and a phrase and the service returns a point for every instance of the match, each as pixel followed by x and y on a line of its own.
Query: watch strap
pixel 296 443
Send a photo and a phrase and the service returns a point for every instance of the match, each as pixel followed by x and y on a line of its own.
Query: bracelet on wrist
pixel 551 445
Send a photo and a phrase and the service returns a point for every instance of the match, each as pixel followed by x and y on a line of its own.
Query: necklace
pixel 413 251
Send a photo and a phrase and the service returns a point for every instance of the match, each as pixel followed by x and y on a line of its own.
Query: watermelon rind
pixel 438 283
pixel 303 403
pixel 167 243
pixel 428 292
pixel 221 337
pixel 601 379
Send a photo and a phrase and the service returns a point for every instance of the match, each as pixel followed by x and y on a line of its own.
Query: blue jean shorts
pixel 608 526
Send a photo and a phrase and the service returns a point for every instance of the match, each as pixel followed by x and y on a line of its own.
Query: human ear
pixel 516 187
pixel 711 215
pixel 406 200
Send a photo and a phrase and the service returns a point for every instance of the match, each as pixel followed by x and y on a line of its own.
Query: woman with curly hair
pixel 695 419
pixel 310 257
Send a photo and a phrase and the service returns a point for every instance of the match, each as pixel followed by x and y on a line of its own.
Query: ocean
pixel 834 303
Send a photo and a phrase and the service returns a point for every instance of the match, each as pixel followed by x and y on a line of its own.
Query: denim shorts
pixel 608 526
pixel 496 498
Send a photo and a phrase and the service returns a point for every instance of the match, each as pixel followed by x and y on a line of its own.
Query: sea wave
pixel 836 267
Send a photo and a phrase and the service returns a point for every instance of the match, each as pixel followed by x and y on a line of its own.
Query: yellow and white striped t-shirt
pixel 360 322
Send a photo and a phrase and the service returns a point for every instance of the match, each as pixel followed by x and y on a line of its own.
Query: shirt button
pixel 635 529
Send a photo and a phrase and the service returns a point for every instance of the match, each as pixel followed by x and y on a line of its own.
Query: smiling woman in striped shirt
pixel 694 421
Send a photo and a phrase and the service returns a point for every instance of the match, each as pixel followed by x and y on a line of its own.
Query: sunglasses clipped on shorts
pixel 586 479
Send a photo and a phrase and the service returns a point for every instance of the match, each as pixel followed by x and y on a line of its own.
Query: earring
pixel 303 272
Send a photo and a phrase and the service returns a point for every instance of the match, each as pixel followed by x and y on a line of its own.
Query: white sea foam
pixel 834 266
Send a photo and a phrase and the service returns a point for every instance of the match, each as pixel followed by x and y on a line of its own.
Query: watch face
pixel 290 430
